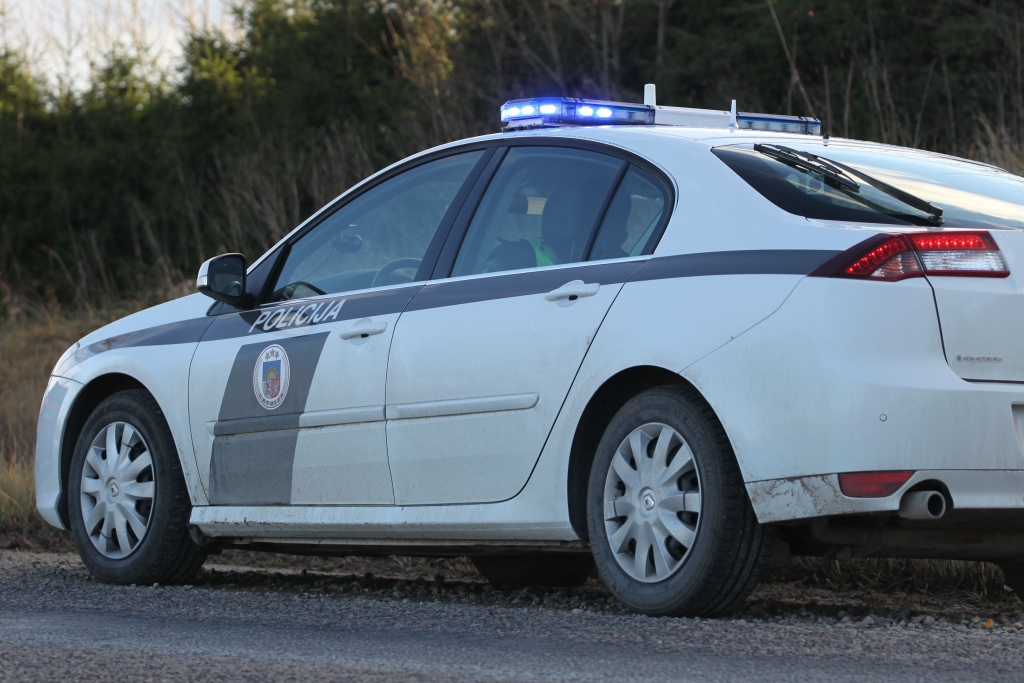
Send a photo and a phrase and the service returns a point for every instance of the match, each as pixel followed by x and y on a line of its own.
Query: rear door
pixel 481 362
pixel 286 401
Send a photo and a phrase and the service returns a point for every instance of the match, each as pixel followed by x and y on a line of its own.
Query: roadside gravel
pixel 402 620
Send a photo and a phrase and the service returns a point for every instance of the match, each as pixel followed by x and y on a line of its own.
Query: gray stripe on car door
pixel 255 468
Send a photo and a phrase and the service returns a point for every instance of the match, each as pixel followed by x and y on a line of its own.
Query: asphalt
pixel 56 623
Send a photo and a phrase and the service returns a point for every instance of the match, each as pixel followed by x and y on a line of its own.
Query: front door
pixel 482 362
pixel 286 401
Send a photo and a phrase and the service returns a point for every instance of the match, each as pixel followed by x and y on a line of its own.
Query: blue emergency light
pixel 541 112
pixel 547 111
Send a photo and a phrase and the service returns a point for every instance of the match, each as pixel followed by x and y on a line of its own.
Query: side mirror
pixel 223 278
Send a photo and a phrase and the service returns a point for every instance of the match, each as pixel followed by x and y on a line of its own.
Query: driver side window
pixel 378 238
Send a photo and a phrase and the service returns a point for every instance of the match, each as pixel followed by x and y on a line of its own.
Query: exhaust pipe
pixel 923 505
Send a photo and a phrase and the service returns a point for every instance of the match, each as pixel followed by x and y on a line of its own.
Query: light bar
pixel 570 111
pixel 553 111
pixel 779 123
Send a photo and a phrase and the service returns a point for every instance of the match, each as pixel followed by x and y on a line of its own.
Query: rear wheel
pixel 536 569
pixel 671 527
pixel 128 503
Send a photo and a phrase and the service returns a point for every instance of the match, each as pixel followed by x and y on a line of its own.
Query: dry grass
pixel 904 576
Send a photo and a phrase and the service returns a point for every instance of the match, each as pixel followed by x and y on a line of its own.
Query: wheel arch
pixel 94 393
pixel 602 406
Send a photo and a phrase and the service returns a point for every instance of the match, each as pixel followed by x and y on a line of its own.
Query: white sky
pixel 63 37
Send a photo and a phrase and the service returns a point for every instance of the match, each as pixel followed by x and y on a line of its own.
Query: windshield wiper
pixel 840 176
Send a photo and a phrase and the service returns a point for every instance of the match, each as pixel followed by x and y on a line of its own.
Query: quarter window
pixel 539 210
pixel 633 219
pixel 377 239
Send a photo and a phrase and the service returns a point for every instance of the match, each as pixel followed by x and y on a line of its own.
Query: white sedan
pixel 678 344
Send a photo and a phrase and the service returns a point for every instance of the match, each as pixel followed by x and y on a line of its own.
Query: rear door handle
pixel 577 289
pixel 364 328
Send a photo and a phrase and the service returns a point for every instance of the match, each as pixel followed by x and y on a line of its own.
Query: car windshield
pixel 971 195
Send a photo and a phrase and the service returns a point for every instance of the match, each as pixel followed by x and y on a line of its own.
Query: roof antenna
pixel 733 125
pixel 649 96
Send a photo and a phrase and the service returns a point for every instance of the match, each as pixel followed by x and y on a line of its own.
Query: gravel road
pixel 253 624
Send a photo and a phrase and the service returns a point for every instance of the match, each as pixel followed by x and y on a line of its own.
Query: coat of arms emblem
pixel 270 376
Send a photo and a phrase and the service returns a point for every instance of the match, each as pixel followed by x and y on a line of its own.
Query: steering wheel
pixel 392 266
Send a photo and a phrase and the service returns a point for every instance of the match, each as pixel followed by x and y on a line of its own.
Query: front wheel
pixel 128 503
pixel 671 527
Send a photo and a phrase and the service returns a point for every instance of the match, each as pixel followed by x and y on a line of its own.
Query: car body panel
pixel 983 318
pixel 518 344
pixel 53 415
pixel 325 444
pixel 847 396
pixel 163 370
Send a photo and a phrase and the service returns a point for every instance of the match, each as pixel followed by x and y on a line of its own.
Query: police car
pixel 679 344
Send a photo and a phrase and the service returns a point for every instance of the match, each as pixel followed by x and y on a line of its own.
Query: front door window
pixel 377 239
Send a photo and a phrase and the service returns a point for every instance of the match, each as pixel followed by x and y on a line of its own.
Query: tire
pixel 702 550
pixel 556 570
pixel 148 493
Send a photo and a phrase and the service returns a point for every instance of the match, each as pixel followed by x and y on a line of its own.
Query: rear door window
pixel 540 209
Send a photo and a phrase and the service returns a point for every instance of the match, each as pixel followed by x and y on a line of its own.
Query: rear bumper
pixel 797 498
pixel 57 401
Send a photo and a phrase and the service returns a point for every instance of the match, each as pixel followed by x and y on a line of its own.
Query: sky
pixel 63 37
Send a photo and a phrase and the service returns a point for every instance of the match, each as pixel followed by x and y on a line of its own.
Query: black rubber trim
pixel 603 212
pixel 471 290
pixel 525 283
pixel 181 332
pixel 753 262
pixel 250 425
pixel 310 313
pixel 440 237
pixel 453 240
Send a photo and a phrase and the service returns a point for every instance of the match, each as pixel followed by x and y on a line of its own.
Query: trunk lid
pixel 982 318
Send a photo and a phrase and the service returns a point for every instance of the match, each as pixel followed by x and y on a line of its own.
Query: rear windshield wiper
pixel 841 176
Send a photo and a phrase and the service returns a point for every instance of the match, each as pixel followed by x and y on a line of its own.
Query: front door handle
pixel 577 289
pixel 364 328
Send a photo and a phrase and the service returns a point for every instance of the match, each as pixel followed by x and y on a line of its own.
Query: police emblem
pixel 270 376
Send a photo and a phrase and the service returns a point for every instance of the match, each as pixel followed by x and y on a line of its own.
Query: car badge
pixel 270 377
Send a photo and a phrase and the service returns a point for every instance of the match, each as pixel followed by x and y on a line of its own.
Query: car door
pixel 286 400
pixel 481 362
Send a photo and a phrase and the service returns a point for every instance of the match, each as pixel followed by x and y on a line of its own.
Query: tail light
pixel 960 253
pixel 892 257
pixel 872 484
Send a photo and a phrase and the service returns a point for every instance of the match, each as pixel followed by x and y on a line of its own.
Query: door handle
pixel 577 289
pixel 364 328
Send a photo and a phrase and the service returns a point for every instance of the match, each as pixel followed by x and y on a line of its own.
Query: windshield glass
pixel 970 195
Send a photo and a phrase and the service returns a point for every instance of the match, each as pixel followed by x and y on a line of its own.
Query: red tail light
pixel 892 257
pixel 872 484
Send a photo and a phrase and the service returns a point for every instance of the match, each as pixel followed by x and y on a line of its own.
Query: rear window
pixel 970 195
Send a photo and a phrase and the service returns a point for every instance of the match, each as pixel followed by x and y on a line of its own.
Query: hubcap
pixel 652 501
pixel 117 490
